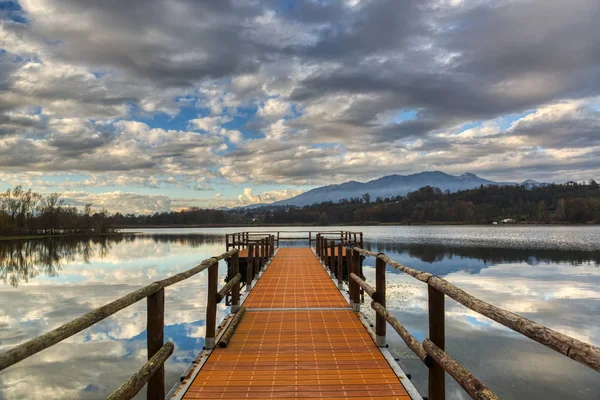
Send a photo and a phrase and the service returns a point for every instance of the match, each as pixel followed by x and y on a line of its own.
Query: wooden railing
pixel 152 373
pixel 241 239
pixel 431 351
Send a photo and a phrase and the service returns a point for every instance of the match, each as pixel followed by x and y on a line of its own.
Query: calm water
pixel 548 274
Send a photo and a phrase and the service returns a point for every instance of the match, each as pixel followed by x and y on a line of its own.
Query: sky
pixel 157 105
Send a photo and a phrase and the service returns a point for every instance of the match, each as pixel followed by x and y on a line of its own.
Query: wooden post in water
pixel 332 260
pixel 437 377
pixel 340 266
pixel 211 306
pixel 249 265
pixel 155 327
pixel 235 292
pixel 380 323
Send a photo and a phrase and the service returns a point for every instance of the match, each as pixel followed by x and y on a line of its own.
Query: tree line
pixel 30 213
pixel 556 203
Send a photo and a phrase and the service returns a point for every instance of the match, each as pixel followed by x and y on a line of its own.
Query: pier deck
pixel 298 339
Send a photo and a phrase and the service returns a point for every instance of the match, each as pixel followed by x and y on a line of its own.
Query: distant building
pixel 508 221
pixel 494 223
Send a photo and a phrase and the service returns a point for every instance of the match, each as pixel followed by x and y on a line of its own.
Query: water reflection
pixel 48 282
pixel 22 260
pixel 560 289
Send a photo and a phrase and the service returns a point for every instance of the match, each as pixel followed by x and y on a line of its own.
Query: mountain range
pixel 394 185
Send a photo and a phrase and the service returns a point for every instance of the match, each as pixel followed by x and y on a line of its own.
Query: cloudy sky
pixel 151 105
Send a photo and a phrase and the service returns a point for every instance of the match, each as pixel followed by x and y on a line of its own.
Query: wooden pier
pixel 297 339
pixel 296 331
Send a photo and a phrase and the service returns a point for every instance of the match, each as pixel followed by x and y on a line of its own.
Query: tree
pixel 366 197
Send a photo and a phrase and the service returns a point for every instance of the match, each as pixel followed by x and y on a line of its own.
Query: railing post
pixel 211 306
pixel 256 266
pixel 277 238
pixel 361 241
pixel 332 260
pixel 267 248
pixel 263 254
pixel 272 245
pixel 354 293
pixel 309 238
pixel 249 267
pixel 324 256
pixel 380 284
pixel 437 378
pixel 340 266
pixel 155 327
pixel 235 291
pixel 226 242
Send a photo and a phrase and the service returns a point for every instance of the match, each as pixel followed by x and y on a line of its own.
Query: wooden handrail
pixel 364 285
pixel 154 292
pixel 409 339
pixel 228 287
pixel 33 346
pixel 472 385
pixel 133 385
pixel 231 329
pixel 575 349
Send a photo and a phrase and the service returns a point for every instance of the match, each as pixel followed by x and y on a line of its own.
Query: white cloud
pixel 121 201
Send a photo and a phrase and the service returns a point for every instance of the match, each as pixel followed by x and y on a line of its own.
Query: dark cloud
pixel 318 88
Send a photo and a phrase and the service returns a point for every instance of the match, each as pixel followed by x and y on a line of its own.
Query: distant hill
pixel 392 185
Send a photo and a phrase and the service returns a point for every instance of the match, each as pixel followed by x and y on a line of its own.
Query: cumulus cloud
pixel 319 93
pixel 120 201
pixel 265 197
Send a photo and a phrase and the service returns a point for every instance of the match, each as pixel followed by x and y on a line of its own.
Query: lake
pixel 549 274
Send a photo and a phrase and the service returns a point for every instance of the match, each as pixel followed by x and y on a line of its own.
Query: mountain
pixel 530 184
pixel 389 186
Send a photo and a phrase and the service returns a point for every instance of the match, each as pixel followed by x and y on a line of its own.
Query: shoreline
pixel 195 226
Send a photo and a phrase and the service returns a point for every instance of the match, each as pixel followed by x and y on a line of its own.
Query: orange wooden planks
pixel 295 279
pixel 292 354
